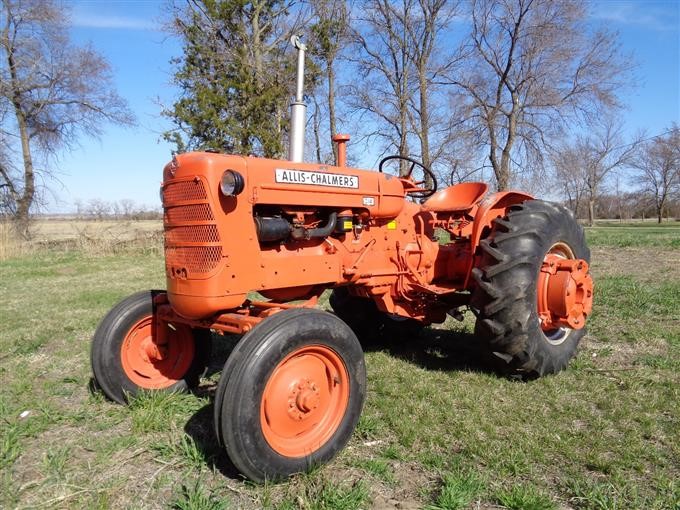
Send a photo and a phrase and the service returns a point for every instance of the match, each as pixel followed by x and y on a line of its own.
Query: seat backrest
pixel 458 198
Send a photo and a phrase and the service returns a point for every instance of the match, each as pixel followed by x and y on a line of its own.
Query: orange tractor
pixel 250 245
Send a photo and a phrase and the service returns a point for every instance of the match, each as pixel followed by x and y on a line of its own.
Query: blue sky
pixel 126 163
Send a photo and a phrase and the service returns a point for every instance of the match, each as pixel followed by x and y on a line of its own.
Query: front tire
pixel 126 358
pixel 507 281
pixel 290 394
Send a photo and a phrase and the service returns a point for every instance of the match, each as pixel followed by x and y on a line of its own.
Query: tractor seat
pixel 458 198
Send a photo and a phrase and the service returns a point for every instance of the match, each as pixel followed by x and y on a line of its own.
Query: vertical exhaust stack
pixel 298 108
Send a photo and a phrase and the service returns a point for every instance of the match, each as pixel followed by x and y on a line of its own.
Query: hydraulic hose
pixel 303 233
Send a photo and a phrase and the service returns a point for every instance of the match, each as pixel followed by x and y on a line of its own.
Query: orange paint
pixel 565 292
pixel 304 401
pixel 382 244
pixel 156 356
pixel 341 140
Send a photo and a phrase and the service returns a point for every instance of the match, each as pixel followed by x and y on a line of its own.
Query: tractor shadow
pixel 438 349
pixel 432 349
pixel 201 427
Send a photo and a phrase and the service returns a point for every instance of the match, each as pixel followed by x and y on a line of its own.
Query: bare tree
pixel 127 207
pixel 54 90
pixel 329 35
pixel 658 169
pixel 384 83
pixel 570 174
pixel 531 67
pixel 98 208
pixel 428 21
pixel 584 165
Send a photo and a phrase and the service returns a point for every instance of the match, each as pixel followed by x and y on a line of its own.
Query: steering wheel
pixel 413 188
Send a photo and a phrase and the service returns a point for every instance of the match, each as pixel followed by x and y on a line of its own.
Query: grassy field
pixel 439 429
pixel 92 237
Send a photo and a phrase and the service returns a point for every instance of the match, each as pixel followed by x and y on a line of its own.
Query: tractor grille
pixel 195 259
pixel 183 191
pixel 192 234
pixel 192 241
pixel 187 213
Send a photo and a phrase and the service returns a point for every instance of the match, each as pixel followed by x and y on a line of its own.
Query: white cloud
pixel 114 22
pixel 652 17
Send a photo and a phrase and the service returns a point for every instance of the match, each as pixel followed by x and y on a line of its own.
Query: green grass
pixel 522 497
pixel 196 497
pixel 438 429
pixel 622 235
pixel 457 492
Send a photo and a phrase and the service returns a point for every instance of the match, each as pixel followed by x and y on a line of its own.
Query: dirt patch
pixel 411 481
pixel 618 355
pixel 646 264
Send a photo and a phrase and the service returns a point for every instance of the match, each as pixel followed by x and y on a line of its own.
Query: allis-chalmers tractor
pixel 251 243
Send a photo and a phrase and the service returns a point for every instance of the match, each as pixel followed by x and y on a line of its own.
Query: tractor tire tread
pixel 105 349
pixel 237 413
pixel 504 296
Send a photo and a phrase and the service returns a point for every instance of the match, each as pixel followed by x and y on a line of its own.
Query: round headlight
pixel 232 183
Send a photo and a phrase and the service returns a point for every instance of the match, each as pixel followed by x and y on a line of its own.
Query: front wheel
pixel 133 351
pixel 290 394
pixel 533 291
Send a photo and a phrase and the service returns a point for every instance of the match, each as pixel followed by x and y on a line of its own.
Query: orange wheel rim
pixel 155 361
pixel 564 292
pixel 304 401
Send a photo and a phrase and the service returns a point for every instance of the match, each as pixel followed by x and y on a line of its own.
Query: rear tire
pixel 505 295
pixel 369 324
pixel 120 346
pixel 290 394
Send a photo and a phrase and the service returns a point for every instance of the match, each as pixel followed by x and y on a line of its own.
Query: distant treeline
pixel 625 206
pixel 121 209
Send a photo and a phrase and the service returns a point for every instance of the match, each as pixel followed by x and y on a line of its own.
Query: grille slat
pixel 192 234
pixel 182 234
pixel 188 213
pixel 184 190
pixel 195 259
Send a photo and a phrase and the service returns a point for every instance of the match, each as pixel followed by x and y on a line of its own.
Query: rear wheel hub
pixel 565 292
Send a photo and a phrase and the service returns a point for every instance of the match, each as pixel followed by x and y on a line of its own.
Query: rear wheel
pixel 533 291
pixel 370 324
pixel 133 351
pixel 290 394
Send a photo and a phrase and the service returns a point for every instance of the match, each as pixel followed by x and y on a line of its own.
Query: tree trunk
pixel 317 139
pixel 330 76
pixel 24 203
pixel 403 151
pixel 661 207
pixel 403 136
pixel 591 211
pixel 502 177
pixel 504 170
pixel 257 42
pixel 28 193
pixel 424 123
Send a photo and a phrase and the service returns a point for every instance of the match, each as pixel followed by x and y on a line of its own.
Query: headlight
pixel 232 183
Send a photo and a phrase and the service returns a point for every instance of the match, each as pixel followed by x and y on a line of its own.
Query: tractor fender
pixel 491 207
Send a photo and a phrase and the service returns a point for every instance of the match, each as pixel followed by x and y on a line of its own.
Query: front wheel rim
pixel 304 401
pixel 156 361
